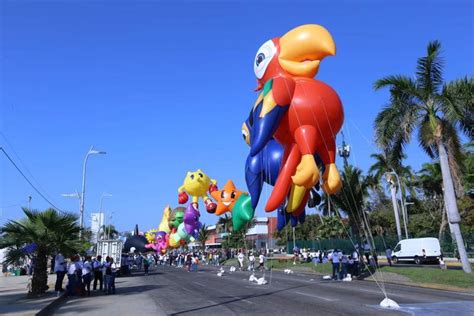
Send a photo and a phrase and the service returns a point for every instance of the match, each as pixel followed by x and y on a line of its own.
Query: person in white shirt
pixel 71 275
pixel 87 275
pixel 251 262
pixel 335 263
pixel 240 257
pixel 110 273
pixel 355 257
pixel 261 261
pixel 98 275
pixel 60 270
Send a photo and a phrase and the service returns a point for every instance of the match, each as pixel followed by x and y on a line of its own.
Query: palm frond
pixel 426 138
pixel 429 70
pixel 457 104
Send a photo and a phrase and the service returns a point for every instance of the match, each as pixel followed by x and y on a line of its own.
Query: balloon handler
pixel 197 184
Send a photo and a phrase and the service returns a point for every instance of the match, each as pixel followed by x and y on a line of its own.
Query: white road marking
pixel 320 297
pixel 200 284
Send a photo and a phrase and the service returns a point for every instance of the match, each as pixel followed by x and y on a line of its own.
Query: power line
pixel 29 182
pixel 25 167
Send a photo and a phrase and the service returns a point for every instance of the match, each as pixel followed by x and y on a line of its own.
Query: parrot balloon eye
pixel 263 58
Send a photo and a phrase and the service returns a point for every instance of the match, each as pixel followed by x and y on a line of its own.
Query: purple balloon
pixel 191 220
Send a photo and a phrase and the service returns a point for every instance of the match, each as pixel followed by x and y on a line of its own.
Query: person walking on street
pixel 87 275
pixel 139 262
pixel 71 276
pixel 98 275
pixel 251 262
pixel 345 264
pixel 367 252
pixel 335 263
pixel 355 257
pixel 60 269
pixel 388 254
pixel 261 261
pixel 240 257
pixel 110 272
pixel 146 265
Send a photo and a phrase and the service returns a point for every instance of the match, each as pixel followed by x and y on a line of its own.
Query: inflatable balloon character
pixel 264 167
pixel 302 114
pixel 164 224
pixel 197 184
pixel 230 199
pixel 191 221
pixel 157 240
pixel 176 218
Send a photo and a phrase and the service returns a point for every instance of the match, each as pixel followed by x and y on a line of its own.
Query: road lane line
pixel 317 296
pixel 200 284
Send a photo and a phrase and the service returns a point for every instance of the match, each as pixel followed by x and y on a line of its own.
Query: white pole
pixel 393 192
pixel 402 204
pixel 83 192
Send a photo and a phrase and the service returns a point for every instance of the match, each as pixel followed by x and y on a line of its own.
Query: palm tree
pixel 108 231
pixel 386 163
pixel 331 227
pixel 438 111
pixel 430 180
pixel 40 235
pixel 352 199
pixel 204 234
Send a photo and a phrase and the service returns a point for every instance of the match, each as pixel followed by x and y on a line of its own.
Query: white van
pixel 417 249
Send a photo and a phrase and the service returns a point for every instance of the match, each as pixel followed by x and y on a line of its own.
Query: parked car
pixel 420 250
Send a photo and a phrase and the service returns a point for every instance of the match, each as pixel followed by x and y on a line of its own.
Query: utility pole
pixel 344 150
pixel 29 203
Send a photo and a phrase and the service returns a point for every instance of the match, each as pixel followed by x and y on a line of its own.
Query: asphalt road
pixel 174 291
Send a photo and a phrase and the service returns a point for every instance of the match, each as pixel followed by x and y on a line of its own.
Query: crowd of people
pixel 344 264
pixel 81 271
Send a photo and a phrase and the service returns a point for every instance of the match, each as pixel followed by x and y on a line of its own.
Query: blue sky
pixel 164 88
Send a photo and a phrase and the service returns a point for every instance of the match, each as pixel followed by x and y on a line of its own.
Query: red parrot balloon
pixel 301 113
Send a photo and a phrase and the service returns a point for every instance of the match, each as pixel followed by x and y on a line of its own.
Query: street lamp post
pixel 73 195
pixel 91 151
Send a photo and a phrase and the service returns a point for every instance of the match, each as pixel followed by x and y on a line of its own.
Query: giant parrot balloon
pixel 300 113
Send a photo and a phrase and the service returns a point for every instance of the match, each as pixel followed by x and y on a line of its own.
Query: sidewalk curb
pixel 48 309
pixel 423 286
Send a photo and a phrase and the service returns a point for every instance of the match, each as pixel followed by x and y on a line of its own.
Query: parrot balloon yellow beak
pixel 303 48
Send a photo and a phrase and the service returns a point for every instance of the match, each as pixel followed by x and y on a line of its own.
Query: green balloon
pixel 242 212
pixel 181 231
pixel 176 217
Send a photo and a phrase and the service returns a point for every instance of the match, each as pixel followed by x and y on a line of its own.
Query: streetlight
pixel 100 211
pixel 73 195
pixel 92 151
pixel 110 223
pixel 402 202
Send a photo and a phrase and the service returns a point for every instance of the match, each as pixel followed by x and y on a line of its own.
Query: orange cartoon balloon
pixel 226 197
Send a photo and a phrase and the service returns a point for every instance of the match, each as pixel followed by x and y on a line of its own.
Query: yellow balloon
pixel 174 241
pixel 164 220
pixel 151 235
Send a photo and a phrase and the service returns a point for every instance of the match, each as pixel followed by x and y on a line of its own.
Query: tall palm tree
pixel 430 181
pixel 108 231
pixel 352 199
pixel 204 234
pixel 385 163
pixel 40 235
pixel 438 111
